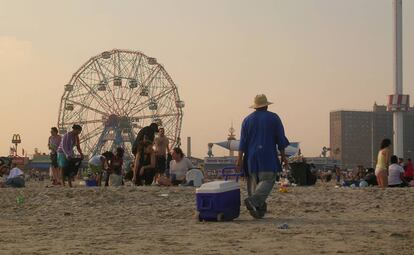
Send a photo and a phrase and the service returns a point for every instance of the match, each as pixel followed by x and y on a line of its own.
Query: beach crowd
pixel 390 171
pixel 154 163
pixel 262 142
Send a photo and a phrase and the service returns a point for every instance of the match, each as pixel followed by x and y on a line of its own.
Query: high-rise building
pixel 355 136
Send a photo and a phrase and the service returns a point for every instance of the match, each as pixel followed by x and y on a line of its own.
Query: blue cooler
pixel 218 201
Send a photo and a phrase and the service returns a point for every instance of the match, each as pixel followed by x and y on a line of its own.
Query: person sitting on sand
pixel 360 173
pixel 144 165
pixel 98 163
pixel 115 172
pixel 409 171
pixel 337 174
pixel 395 173
pixel 328 176
pixel 381 170
pixel 129 171
pixel 15 177
pixel 4 171
pixel 370 177
pixel 179 166
pixel 401 162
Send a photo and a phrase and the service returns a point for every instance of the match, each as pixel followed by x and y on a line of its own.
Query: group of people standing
pixel 64 163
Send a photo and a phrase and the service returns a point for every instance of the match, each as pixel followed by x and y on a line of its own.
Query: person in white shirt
pixel 15 177
pixel 395 173
pixel 98 163
pixel 179 166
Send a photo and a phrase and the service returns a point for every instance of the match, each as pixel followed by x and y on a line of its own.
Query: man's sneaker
pixel 254 212
pixel 262 210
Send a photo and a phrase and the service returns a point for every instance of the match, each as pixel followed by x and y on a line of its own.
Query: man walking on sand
pixel 262 135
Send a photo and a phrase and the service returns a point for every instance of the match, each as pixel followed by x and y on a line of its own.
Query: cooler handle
pixel 226 176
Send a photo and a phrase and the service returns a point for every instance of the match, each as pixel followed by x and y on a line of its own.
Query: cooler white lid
pixel 218 186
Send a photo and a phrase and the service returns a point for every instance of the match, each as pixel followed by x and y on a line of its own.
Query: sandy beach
pixel 159 220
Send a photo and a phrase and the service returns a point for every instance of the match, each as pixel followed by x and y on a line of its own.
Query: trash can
pixel 300 172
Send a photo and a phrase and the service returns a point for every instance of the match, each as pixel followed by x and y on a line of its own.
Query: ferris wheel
pixel 115 94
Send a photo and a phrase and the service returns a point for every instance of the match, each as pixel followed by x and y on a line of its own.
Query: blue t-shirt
pixel 262 133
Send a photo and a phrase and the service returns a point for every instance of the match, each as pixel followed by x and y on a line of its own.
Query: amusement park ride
pixel 115 94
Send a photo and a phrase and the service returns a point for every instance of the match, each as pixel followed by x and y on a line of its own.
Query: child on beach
pixel 98 163
pixel 114 176
pixel 129 171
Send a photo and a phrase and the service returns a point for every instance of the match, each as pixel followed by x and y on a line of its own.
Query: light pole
pixel 398 103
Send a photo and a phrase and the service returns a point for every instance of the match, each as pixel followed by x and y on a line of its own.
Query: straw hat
pixel 260 101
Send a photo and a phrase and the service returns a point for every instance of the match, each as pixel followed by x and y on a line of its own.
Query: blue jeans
pixel 16 182
pixel 259 186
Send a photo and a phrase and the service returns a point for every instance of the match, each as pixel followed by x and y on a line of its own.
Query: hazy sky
pixel 308 56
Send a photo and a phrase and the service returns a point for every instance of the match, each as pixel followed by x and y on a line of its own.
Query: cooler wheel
pixel 220 217
pixel 197 217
